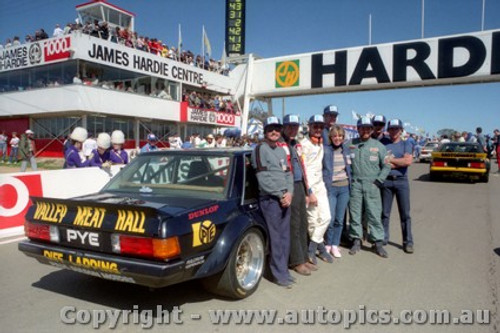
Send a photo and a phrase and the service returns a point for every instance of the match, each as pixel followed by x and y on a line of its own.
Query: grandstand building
pixel 78 79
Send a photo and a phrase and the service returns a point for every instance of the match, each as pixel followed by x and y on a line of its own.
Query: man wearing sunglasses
pixel 275 197
pixel 330 114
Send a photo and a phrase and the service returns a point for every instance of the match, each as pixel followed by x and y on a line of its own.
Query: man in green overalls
pixel 369 170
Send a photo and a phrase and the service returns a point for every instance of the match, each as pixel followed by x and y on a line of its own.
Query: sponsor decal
pixel 35 54
pixel 98 264
pixel 50 212
pixel 57 49
pixel 210 117
pixel 198 116
pixel 14 198
pixel 202 212
pixel 130 220
pixel 225 118
pixel 13 58
pixel 195 262
pixel 416 61
pixel 90 217
pixel 107 269
pixel 82 237
pixel 143 63
pixel 203 233
pixel 287 73
pixel 457 155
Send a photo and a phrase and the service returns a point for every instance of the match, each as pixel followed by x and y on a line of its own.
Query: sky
pixel 286 27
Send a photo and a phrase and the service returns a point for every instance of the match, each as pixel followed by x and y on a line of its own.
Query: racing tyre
pixel 486 177
pixel 433 176
pixel 244 269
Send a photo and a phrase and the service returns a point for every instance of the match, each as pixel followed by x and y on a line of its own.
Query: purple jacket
pixel 73 160
pixel 118 157
pixel 96 159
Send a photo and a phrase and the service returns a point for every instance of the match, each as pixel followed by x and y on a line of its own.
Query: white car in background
pixel 427 149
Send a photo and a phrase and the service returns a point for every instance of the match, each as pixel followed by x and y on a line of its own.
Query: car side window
pixel 251 184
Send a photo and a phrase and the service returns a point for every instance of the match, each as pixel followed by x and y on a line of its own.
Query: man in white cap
pixel 27 150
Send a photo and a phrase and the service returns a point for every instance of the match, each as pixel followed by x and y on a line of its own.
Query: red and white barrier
pixel 16 189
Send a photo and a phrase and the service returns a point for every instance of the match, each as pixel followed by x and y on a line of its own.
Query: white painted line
pixel 12 240
pixel 11 232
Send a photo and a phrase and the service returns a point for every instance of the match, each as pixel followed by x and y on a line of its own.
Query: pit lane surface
pixel 456 266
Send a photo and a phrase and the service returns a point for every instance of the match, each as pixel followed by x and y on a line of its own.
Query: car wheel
pixel 244 269
pixel 485 178
pixel 433 176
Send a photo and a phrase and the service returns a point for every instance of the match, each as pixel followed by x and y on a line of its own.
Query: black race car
pixel 167 217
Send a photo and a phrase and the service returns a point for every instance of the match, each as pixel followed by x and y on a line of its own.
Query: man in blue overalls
pixel 400 158
pixel 275 197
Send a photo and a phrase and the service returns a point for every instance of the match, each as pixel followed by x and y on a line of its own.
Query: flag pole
pixel 423 17
pixel 203 45
pixel 370 30
pixel 179 46
pixel 482 15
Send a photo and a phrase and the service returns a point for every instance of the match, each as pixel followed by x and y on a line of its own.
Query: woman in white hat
pixel 102 153
pixel 73 159
pixel 117 154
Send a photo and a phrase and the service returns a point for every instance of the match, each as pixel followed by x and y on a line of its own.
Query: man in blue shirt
pixel 330 114
pixel 151 145
pixel 480 138
pixel 399 156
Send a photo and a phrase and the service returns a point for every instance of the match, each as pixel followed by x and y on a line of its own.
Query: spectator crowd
pixel 128 38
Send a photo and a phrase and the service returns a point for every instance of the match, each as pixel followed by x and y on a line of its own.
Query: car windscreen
pixel 460 148
pixel 180 175
pixel 430 146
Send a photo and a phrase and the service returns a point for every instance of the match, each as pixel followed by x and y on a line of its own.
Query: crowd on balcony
pixel 210 102
pixel 126 37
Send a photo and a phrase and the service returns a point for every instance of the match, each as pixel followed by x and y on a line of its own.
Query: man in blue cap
pixel 275 197
pixel 379 122
pixel 369 171
pixel 330 114
pixel 299 259
pixel 396 184
pixel 151 144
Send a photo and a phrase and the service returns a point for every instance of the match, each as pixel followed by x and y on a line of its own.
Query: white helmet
pixel 79 134
pixel 117 137
pixel 103 140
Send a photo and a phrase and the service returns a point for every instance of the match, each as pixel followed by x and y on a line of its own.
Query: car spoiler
pixel 454 155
